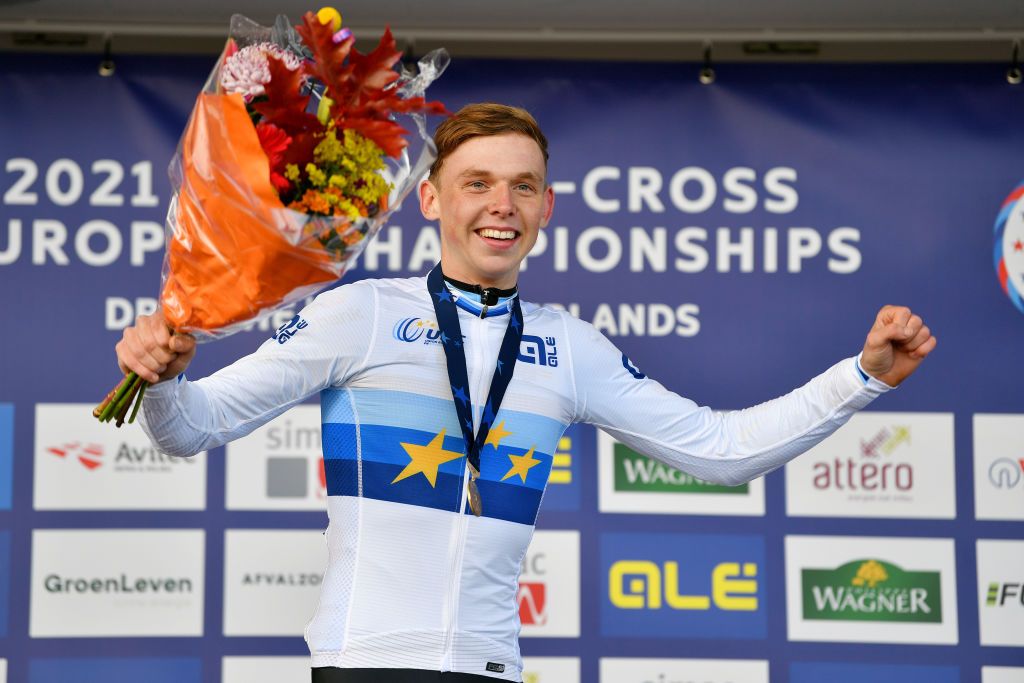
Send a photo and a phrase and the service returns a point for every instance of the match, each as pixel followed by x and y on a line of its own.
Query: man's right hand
pixel 149 349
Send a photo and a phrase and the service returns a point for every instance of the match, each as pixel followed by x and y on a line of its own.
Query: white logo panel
pixel 264 669
pixel 1002 674
pixel 549 586
pixel 551 670
pixel 83 464
pixel 999 467
pixel 271 580
pixel 1001 592
pixel 871 589
pixel 278 466
pixel 631 484
pixel 116 582
pixel 636 670
pixel 878 465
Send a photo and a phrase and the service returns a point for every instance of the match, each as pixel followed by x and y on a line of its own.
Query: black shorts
pixel 330 674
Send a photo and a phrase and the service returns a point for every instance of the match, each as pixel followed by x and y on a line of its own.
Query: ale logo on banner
pixel 563 490
pixel 998 467
pixel 878 465
pixel 549 586
pixel 82 464
pixel 669 585
pixel 876 590
pixel 633 482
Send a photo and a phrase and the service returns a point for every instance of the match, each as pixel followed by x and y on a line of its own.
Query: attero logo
pixel 869 473
pixel 683 584
pixel 414 329
pixel 1005 473
pixel 89 456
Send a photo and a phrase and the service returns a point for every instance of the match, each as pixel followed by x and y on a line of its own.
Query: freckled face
pixel 490 199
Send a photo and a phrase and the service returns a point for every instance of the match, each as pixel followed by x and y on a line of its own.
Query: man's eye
pixel 477 185
pixel 524 187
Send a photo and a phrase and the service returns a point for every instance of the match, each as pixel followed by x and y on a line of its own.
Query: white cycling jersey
pixel 414 579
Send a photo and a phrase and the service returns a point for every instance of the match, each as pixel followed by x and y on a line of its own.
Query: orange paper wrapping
pixel 226 259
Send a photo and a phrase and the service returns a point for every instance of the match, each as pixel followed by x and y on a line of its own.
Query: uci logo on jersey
pixel 414 329
pixel 290 329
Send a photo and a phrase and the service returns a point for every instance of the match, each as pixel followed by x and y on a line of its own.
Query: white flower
pixel 246 71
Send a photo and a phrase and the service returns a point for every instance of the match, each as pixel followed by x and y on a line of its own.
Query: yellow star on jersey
pixel 426 459
pixel 496 434
pixel 521 465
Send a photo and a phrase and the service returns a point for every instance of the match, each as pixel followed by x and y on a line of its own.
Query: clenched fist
pixel 896 345
pixel 149 349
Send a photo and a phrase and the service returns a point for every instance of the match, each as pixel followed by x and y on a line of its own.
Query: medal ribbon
pixel 455 356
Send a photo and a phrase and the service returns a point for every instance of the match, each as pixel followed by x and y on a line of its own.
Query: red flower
pixel 275 143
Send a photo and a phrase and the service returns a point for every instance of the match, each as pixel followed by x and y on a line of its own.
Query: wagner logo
pixel 686 584
pixel 538 351
pixel 89 456
pixel 641 584
pixel 532 599
pixel 635 472
pixel 290 329
pixel 872 590
pixel 414 329
pixel 1005 473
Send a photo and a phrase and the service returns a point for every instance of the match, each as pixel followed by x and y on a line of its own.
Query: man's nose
pixel 501 200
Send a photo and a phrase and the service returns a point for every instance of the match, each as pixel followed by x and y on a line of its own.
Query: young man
pixel 436 454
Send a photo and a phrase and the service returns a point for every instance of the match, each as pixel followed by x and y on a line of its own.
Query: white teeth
pixel 498 234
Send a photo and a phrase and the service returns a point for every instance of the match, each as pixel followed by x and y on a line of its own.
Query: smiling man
pixel 438 447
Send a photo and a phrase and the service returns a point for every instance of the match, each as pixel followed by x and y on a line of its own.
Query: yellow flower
pixel 316 176
pixel 291 172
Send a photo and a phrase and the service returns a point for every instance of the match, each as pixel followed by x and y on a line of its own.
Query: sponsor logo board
pixel 632 482
pixel 835 672
pixel 116 582
pixel 878 465
pixel 6 454
pixel 875 590
pixel 271 580
pixel 116 670
pixel 551 670
pixel 998 467
pixel 278 466
pixel 264 669
pixel 1001 592
pixel 682 585
pixel 82 464
pixel 549 586
pixel 1002 674
pixel 637 670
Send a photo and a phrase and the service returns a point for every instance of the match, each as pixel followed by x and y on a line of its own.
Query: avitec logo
pixel 548 595
pixel 89 456
pixel 532 593
pixel 414 329
pixel 1005 473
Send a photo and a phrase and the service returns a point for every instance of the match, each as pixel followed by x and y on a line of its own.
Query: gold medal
pixel 474 493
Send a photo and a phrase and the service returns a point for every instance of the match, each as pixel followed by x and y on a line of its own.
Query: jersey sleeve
pixel 727 448
pixel 324 345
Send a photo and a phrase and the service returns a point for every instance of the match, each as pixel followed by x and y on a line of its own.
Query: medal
pixel 455 358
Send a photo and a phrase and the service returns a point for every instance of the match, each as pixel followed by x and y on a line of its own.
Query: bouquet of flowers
pixel 292 160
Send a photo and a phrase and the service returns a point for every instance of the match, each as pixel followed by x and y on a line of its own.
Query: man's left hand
pixel 896 345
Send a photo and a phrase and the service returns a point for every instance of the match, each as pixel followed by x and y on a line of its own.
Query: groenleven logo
pixel 641 584
pixel 871 470
pixel 872 590
pixel 119 584
pixel 635 472
pixel 1009 247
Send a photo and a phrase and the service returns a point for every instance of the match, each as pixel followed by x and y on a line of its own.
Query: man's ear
pixel 430 201
pixel 549 206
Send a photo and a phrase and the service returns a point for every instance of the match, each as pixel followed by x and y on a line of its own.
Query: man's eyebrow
pixel 482 173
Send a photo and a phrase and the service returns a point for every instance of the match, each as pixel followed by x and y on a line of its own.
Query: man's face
pixel 490 198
